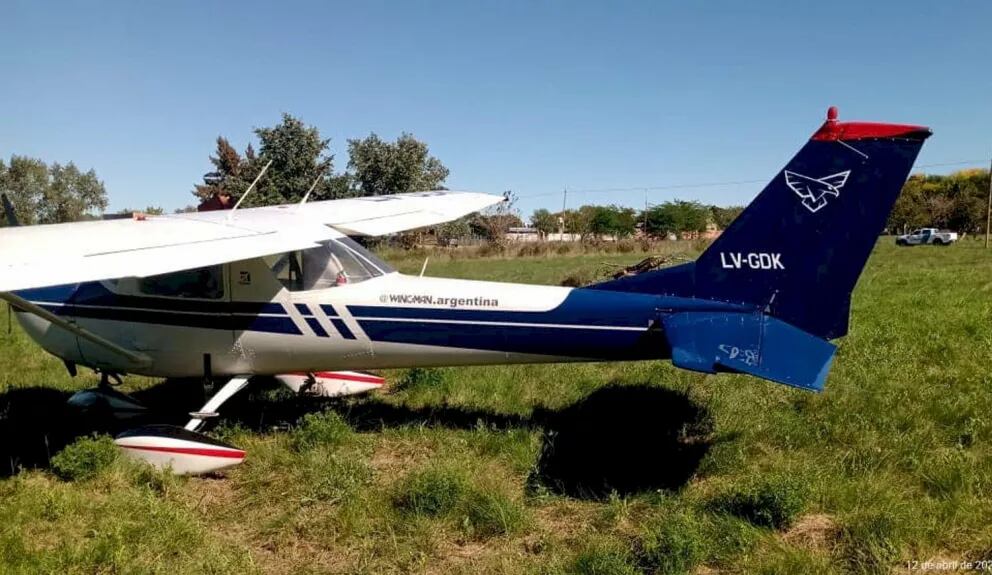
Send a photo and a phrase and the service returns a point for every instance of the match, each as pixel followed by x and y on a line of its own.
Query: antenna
pixel 312 186
pixel 230 214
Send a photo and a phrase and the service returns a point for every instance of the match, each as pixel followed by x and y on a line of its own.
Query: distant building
pixel 523 234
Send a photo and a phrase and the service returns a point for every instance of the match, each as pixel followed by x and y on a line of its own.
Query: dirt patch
pixel 207 494
pixel 815 532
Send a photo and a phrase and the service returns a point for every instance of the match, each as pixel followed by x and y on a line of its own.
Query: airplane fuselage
pixel 391 321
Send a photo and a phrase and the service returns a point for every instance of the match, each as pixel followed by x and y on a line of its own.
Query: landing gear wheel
pixel 103 403
pixel 184 450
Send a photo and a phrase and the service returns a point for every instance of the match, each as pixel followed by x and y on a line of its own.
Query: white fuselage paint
pixel 178 351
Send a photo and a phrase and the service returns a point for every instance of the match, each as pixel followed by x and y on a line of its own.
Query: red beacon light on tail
pixel 833 130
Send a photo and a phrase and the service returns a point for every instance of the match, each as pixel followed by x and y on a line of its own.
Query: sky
pixel 602 98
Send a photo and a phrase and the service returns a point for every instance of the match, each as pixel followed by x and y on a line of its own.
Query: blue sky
pixel 531 96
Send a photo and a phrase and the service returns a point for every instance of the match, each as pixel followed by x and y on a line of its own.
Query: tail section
pixel 797 250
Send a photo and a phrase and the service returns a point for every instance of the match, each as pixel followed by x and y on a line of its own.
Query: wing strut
pixel 24 305
pixel 230 214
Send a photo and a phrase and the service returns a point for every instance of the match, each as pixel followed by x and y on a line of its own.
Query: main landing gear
pixel 184 450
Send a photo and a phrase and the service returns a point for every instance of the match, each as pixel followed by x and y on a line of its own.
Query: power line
pixel 688 186
pixel 961 163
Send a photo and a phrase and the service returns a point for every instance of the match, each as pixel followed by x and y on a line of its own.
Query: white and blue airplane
pixel 283 291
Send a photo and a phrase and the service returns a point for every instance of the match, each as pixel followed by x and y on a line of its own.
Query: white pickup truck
pixel 924 236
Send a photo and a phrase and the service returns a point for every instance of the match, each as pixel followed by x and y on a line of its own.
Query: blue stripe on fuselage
pixel 587 324
pixel 95 294
pixel 93 300
pixel 342 328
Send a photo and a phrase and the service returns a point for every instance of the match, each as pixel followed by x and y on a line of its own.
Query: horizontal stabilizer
pixel 751 343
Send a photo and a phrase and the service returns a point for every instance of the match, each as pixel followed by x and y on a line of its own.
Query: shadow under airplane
pixel 620 438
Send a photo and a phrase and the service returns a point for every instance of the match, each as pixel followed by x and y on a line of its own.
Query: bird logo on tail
pixel 813 191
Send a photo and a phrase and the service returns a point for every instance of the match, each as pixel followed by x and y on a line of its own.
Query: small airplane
pixel 284 291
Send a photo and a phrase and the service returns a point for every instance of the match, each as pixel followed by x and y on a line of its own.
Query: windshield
pixel 332 263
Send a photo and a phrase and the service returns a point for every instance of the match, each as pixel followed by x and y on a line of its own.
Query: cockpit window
pixel 200 283
pixel 332 263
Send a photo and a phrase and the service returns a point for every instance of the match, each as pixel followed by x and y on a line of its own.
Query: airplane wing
pixel 55 254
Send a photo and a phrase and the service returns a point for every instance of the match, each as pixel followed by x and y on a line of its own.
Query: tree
pixel 611 221
pixel 957 201
pixel 579 221
pixel 299 157
pixel 677 217
pixel 70 195
pixel 453 230
pixel 381 167
pixel 227 163
pixel 544 221
pixel 723 217
pixel 51 194
pixel 25 181
pixel 495 221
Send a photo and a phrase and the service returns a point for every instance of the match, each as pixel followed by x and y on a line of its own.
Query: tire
pixel 938 242
pixel 901 243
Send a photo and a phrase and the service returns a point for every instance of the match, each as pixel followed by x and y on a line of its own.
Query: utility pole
pixel 988 213
pixel 561 219
pixel 644 232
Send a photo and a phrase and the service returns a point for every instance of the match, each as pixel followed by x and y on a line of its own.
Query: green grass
pixel 554 469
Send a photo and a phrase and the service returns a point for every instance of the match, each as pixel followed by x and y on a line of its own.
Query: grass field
pixel 595 468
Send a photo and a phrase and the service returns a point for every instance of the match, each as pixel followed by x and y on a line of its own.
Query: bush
pixel 774 502
pixel 626 246
pixel 672 545
pixel 579 278
pixel 532 249
pixel 432 492
pixel 158 481
pixel 489 513
pixel 603 560
pixel 84 458
pixel 421 378
pixel 316 429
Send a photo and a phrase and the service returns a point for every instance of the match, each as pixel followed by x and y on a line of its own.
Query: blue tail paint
pixel 796 252
pixel 793 257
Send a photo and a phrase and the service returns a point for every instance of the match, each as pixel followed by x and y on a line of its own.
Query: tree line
pixel 50 194
pixel 957 201
pixel 299 159
pixel 677 217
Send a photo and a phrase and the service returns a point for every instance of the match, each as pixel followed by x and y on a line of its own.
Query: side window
pixel 287 269
pixel 200 283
